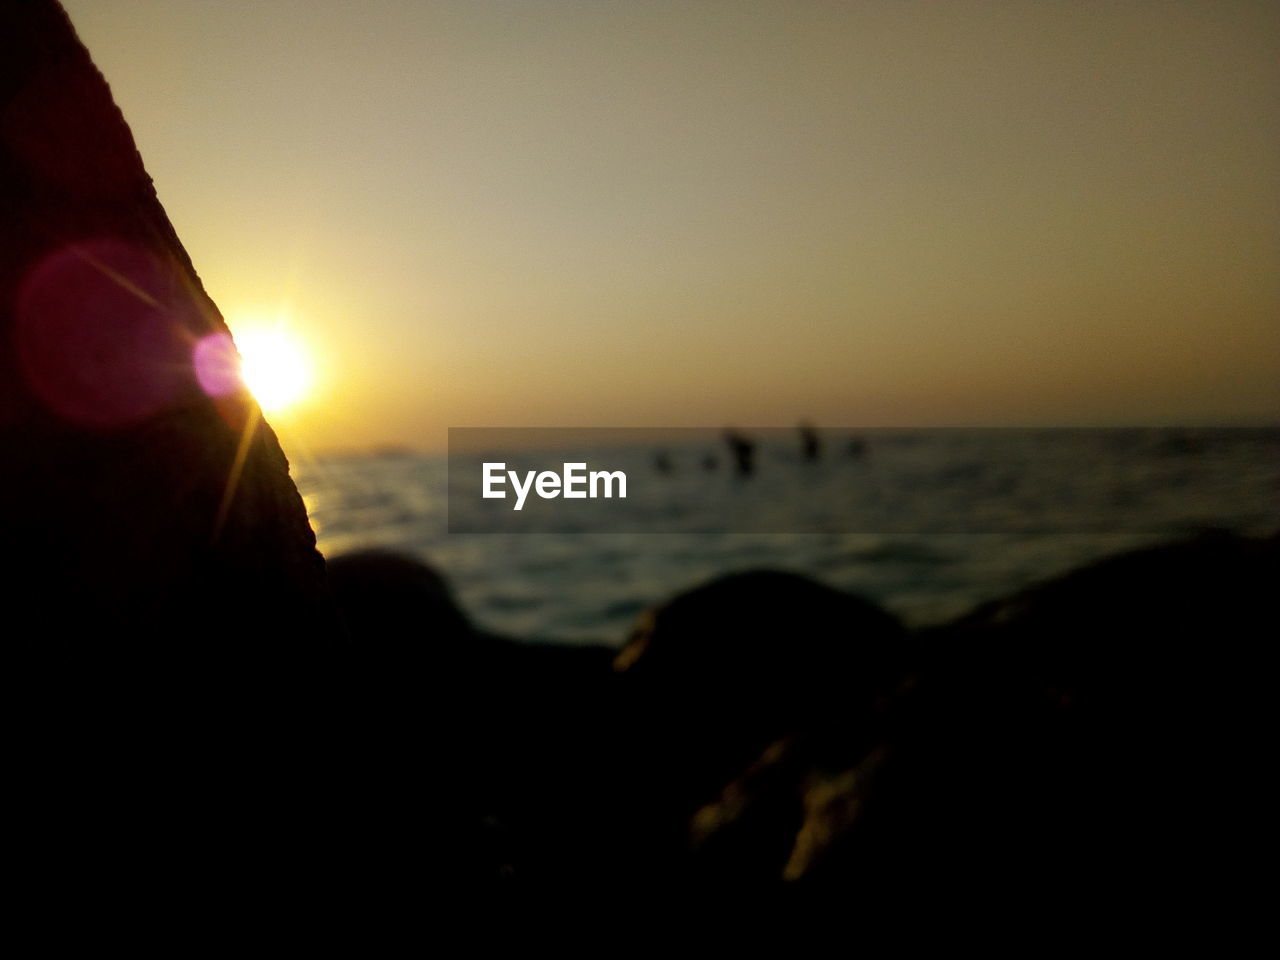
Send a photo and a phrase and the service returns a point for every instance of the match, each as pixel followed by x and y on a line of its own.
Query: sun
pixel 274 366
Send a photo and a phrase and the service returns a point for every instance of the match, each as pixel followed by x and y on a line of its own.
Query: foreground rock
pixel 485 754
pixel 1099 733
pixel 165 605
pixel 716 675
pixel 1093 737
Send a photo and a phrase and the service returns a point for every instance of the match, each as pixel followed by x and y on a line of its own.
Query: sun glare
pixel 274 367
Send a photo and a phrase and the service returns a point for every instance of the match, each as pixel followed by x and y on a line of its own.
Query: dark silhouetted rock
pixel 165 604
pixel 718 674
pixel 1093 736
pixel 145 507
pixel 389 597
pixel 752 657
pixel 488 752
pixel 1093 743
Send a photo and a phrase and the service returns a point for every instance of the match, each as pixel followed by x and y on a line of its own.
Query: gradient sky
pixel 544 212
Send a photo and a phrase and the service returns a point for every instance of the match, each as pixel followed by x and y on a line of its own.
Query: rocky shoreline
pixel 1101 729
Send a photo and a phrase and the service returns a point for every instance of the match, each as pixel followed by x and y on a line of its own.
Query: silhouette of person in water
pixel 810 444
pixel 743 450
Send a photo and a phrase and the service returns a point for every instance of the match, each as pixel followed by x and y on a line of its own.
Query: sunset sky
pixel 545 212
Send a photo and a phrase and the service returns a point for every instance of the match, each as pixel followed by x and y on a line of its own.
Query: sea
pixel 926 523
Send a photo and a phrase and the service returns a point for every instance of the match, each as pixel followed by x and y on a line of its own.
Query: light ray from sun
pixel 233 475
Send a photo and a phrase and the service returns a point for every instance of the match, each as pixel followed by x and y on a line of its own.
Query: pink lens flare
pixel 217 365
pixel 103 333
